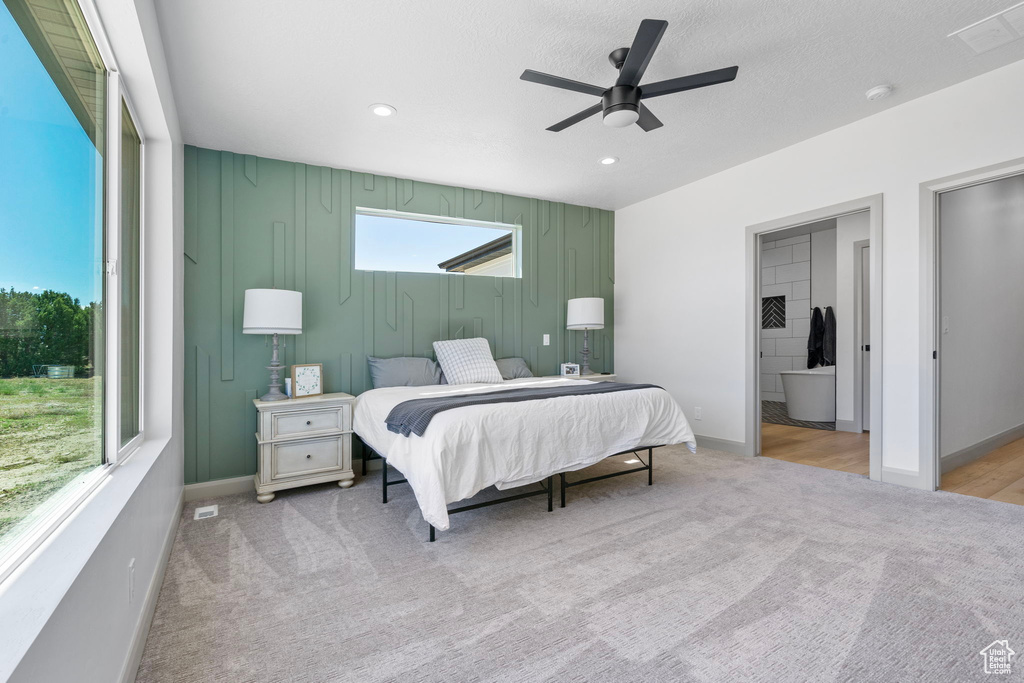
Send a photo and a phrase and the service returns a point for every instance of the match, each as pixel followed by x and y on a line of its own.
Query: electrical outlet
pixel 547 340
pixel 698 413
pixel 131 581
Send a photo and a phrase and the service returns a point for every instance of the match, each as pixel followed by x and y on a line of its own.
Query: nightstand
pixel 303 441
pixel 596 377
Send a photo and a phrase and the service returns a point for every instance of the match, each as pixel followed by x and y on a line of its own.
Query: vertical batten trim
pixel 249 451
pixel 367 323
pixel 346 373
pixel 460 291
pixel 191 248
pixel 499 327
pixel 300 255
pixel 327 188
pixel 597 251
pixel 202 447
pixel 251 165
pixel 227 267
pixel 278 237
pixel 408 310
pixel 560 299
pixel 346 214
pixel 392 193
pixel 391 300
pixel 444 319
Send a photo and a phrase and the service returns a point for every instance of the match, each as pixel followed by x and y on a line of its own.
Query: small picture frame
pixel 307 380
pixel 570 370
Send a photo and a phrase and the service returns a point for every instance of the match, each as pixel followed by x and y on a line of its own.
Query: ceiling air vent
pixel 995 31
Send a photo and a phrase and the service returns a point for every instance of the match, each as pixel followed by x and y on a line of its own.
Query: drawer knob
pixel 308 456
pixel 309 422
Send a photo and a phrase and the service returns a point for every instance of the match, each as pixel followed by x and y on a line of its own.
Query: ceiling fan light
pixel 620 117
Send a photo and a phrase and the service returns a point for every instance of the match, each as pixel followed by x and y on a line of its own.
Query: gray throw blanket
pixel 413 417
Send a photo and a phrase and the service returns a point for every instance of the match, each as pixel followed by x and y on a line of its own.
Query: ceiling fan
pixel 621 104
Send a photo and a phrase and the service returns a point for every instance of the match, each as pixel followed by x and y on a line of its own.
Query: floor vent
pixel 206 512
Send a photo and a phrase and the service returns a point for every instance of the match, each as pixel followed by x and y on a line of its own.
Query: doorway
pixel 980 319
pixel 814 305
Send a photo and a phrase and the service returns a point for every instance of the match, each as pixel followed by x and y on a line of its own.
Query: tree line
pixel 46 328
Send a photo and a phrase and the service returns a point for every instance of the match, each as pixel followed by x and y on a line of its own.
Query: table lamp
pixel 272 311
pixel 585 314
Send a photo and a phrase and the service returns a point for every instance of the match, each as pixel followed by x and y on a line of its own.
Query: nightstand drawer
pixel 301 422
pixel 307 457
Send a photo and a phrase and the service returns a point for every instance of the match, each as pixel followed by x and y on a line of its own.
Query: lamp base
pixel 275 379
pixel 274 395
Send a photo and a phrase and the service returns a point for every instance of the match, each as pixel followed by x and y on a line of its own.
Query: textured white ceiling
pixel 292 79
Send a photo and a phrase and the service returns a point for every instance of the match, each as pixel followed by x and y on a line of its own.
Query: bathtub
pixel 811 394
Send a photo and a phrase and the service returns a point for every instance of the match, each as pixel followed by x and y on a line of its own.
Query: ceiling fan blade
pixel 640 52
pixel 563 83
pixel 648 121
pixel 575 118
pixel 688 82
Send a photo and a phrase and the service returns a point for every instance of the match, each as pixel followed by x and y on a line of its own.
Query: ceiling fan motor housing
pixel 621 105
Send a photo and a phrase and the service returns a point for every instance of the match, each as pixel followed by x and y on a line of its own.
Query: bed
pixel 508 445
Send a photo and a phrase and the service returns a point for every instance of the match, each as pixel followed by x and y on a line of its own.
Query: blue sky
pixel 49 208
pixel 414 246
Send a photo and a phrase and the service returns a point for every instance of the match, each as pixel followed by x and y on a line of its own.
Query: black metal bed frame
pixel 546 485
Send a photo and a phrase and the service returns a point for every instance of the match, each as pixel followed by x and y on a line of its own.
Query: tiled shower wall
pixel 785 271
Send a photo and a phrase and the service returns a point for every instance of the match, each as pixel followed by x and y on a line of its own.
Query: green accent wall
pixel 252 222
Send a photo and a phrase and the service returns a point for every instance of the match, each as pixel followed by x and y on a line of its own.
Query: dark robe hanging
pixel 828 343
pixel 816 339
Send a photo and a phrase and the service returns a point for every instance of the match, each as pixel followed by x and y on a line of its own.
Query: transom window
pixel 418 243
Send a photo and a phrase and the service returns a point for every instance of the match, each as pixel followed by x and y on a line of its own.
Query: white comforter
pixel 465 450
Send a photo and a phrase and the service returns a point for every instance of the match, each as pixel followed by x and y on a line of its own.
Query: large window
pixel 414 243
pixel 70 229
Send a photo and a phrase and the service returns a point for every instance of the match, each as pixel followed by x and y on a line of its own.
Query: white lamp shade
pixel 272 311
pixel 585 314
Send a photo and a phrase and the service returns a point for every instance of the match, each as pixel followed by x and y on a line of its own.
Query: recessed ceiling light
pixel 607 161
pixel 879 92
pixel 383 109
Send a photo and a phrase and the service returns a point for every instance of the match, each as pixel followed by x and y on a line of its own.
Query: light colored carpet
pixel 727 569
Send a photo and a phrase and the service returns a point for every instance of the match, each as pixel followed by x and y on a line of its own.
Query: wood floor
pixel 843 451
pixel 998 475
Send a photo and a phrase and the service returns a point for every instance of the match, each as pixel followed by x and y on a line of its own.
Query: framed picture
pixel 307 380
pixel 570 370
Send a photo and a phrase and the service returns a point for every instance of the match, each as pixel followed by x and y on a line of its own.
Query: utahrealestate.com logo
pixel 998 657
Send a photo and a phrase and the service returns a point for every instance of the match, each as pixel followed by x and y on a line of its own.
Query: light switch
pixel 547 340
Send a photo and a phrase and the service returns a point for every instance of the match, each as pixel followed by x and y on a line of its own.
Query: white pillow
pixel 467 361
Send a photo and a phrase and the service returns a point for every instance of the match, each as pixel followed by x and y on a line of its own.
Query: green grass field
pixel 48 435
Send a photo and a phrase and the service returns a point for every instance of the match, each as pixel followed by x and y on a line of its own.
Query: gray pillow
pixel 513 368
pixel 403 372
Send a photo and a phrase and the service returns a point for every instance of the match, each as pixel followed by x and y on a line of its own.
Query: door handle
pixel 865 347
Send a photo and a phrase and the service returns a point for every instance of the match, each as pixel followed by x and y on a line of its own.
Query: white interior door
pixel 865 313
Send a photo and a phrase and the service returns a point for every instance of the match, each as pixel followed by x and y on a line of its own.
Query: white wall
pixel 690 241
pixel 65 614
pixel 849 229
pixel 982 297
pixel 823 269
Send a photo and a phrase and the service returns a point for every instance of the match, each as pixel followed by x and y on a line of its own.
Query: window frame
pixel 515 228
pixel 115 453
pixel 58 507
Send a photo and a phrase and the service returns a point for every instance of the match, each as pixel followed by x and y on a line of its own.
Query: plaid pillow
pixel 467 361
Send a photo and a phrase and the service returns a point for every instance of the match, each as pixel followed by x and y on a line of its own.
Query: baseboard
pixel 982 448
pixel 727 445
pixel 847 426
pixel 908 478
pixel 131 664
pixel 218 488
